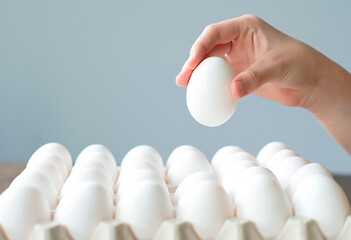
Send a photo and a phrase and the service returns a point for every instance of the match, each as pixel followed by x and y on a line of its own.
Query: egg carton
pixel 296 228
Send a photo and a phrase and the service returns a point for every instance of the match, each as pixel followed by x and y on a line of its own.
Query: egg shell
pixel 135 166
pixel 190 181
pixel 206 207
pixel 51 171
pixel 93 163
pixel 138 176
pixel 83 209
pixel 190 162
pixel 87 175
pixel 54 149
pixel 38 159
pixel 230 176
pixel 232 159
pixel 94 148
pixel 299 175
pixel 279 157
pixel 137 156
pixel 247 173
pixel 178 152
pixel 144 207
pixel 39 180
pixel 104 157
pixel 268 151
pixel 222 153
pixel 286 169
pixel 21 209
pixel 147 149
pixel 319 197
pixel 208 94
pixel 261 200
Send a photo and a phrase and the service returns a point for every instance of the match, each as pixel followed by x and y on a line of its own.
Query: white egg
pixel 94 148
pixel 135 166
pixel 50 169
pixel 138 176
pixel 279 157
pixel 21 209
pixel 190 162
pixel 87 175
pixel 319 197
pixel 83 209
pixel 231 160
pixel 268 151
pixel 206 207
pixel 92 163
pixel 230 176
pixel 261 200
pixel 147 149
pixel 39 159
pixel 222 153
pixel 54 149
pixel 247 173
pixel 208 94
pixel 104 156
pixel 39 180
pixel 137 156
pixel 286 169
pixel 190 181
pixel 299 175
pixel 144 207
pixel 178 153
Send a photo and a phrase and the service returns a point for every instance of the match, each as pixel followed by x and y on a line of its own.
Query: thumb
pixel 252 78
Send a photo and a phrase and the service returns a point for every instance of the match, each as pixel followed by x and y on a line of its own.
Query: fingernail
pixel 241 86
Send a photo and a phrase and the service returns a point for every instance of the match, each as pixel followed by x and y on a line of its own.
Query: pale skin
pixel 273 65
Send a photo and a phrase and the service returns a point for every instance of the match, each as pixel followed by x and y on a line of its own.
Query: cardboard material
pixel 238 229
pixel 345 233
pixel 113 230
pixel 300 228
pixel 174 229
pixel 49 231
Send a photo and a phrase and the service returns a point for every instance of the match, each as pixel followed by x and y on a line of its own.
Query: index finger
pixel 214 34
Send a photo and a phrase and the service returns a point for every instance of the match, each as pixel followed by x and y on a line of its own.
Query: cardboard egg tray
pixel 295 228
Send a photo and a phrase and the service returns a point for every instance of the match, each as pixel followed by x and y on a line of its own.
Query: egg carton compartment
pixel 295 228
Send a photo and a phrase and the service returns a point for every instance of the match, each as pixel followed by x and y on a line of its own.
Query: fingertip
pixel 180 80
pixel 238 88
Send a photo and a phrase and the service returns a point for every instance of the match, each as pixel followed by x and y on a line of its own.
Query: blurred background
pixel 84 72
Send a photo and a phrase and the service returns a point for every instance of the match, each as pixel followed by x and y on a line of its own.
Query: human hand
pixel 273 65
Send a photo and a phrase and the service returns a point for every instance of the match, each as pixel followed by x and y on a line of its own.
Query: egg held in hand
pixel 208 94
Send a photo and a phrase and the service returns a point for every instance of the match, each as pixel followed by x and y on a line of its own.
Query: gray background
pixel 83 72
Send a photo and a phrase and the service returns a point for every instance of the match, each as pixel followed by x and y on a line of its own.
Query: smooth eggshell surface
pixel 83 209
pixel 147 149
pixel 208 94
pixel 319 197
pixel 206 207
pixel 21 209
pixel 190 181
pixel 286 169
pixel 40 159
pixel 144 207
pixel 137 156
pixel 178 152
pixel 279 157
pixel 39 180
pixel 222 153
pixel 261 200
pixel 189 163
pixel 54 149
pixel 299 175
pixel 268 151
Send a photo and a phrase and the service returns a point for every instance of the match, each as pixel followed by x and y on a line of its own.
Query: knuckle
pixel 249 18
pixel 212 29
pixel 256 78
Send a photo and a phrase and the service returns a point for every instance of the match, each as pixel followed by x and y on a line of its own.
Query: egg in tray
pixel 276 195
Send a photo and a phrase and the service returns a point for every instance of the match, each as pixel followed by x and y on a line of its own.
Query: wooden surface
pixel 9 171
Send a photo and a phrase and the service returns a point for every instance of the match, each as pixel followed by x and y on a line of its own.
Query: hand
pixel 273 65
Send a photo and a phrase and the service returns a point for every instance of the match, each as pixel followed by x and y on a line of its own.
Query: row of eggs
pixel 265 190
